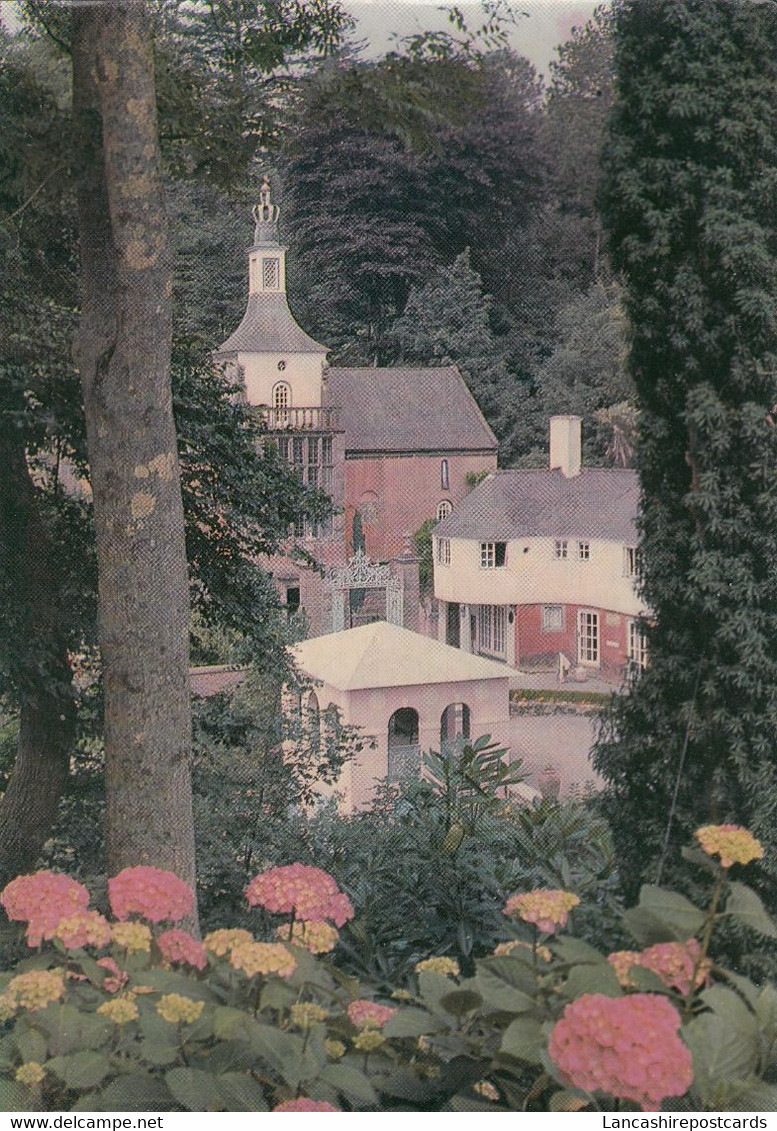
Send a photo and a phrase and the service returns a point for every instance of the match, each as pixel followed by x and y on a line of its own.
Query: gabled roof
pixel 408 410
pixel 268 326
pixel 597 503
pixel 385 655
pixel 214 679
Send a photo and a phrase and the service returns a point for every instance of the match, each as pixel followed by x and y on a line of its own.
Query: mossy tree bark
pixel 123 349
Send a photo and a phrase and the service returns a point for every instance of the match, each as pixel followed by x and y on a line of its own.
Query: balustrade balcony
pixel 312 418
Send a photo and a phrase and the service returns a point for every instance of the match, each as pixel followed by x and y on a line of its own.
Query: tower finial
pixel 265 215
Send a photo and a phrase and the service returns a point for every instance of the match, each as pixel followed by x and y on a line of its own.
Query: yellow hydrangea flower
pixel 36 988
pixel 221 942
pixel 133 937
pixel 439 964
pixel 176 1007
pixel 732 843
pixel 307 1013
pixel 548 910
pixel 401 995
pixel 263 958
pixel 369 1040
pixel 30 1073
pixel 120 1010
pixel 334 1049
pixel 508 947
pixel 317 937
pixel 7 1007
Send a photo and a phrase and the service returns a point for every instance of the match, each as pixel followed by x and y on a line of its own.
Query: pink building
pixel 539 569
pixel 396 445
pixel 405 693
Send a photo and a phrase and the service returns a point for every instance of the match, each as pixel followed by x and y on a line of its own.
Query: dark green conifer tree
pixel 691 208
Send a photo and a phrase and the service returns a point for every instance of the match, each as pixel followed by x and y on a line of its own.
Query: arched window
pixel 404 753
pixel 454 723
pixel 444 509
pixel 281 396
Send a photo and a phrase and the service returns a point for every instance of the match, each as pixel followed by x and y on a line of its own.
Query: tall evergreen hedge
pixel 690 204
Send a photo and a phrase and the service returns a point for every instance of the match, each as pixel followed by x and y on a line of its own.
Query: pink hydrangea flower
pixel 42 900
pixel 85 928
pixel 179 946
pixel 302 1103
pixel 307 892
pixel 151 893
pixel 627 1047
pixel 675 962
pixel 364 1014
pixel 548 910
pixel 115 979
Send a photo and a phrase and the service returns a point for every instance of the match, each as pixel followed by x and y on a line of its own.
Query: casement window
pixel 444 508
pixel 637 645
pixel 583 551
pixel 491 628
pixel 630 561
pixel 560 548
pixel 444 551
pixel 492 554
pixel 552 618
pixel 445 475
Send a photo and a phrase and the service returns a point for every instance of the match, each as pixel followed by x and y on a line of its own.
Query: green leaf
pixel 647 928
pixel 411 1022
pixel 31 1044
pixel 746 907
pixel 350 1082
pixel 720 1053
pixel 568 1101
pixel 158 1053
pixel 241 1092
pixel 592 980
pixel 169 982
pixel 137 1091
pixel 277 994
pixel 433 987
pixel 62 1023
pixel 461 1001
pixel 281 1051
pixel 576 952
pixel 81 1069
pixel 504 982
pixel 194 1089
pixel 229 1022
pixel 679 914
pixel 523 1039
pixel 14 1096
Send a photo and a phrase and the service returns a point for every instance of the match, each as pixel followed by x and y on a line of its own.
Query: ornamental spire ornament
pixel 266 215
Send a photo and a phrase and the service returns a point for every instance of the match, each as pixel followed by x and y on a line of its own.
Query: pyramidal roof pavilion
pixel 384 655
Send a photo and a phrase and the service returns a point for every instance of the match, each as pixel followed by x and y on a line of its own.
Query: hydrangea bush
pixel 131 1012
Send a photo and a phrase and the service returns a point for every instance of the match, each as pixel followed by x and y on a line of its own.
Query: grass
pixel 537 695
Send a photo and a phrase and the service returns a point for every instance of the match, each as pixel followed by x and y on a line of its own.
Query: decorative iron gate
pixel 362 573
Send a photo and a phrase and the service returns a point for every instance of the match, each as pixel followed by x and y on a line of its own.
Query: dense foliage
pixel 236 1023
pixel 692 215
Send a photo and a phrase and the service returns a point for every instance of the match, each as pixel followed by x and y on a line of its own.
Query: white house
pixel 539 568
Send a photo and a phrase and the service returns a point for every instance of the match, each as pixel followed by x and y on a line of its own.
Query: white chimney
pixel 566 444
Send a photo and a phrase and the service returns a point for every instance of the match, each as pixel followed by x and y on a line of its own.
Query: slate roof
pixel 597 503
pixel 408 410
pixel 268 326
pixel 385 655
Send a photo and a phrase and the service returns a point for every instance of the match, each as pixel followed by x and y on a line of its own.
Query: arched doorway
pixel 454 723
pixel 404 753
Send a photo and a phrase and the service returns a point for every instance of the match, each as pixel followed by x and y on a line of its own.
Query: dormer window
pixel 444 509
pixel 271 274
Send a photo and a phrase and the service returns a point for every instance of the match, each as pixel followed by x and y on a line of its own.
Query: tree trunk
pixel 124 357
pixel 42 675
